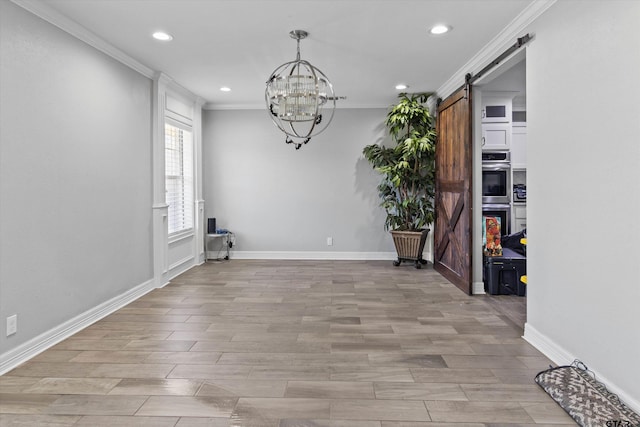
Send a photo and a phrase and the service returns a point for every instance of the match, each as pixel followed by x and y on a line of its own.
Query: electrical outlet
pixel 12 324
pixel 329 241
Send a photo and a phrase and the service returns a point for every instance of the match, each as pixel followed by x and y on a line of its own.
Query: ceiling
pixel 365 47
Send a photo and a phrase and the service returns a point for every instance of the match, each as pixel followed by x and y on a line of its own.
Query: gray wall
pixel 583 158
pixel 75 176
pixel 75 182
pixel 285 202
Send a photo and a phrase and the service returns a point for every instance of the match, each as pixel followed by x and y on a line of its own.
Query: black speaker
pixel 211 226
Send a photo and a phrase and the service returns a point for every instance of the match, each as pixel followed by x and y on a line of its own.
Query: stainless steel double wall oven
pixel 496 187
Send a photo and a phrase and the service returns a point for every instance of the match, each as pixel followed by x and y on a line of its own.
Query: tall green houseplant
pixel 407 189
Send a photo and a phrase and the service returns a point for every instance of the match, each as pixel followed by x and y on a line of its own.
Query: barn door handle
pixel 483 141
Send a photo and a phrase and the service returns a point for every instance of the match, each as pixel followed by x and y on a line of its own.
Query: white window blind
pixel 179 177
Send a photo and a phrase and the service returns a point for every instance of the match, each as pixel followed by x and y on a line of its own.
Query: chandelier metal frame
pixel 296 95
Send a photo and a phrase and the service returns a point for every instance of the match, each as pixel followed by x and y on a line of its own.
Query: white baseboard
pixel 561 356
pixel 309 255
pixel 553 351
pixel 37 345
pixel 180 266
pixel 477 288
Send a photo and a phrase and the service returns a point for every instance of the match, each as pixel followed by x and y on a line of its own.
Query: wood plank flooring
pixel 292 343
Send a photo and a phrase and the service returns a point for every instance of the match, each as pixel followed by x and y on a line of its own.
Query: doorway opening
pixel 499 126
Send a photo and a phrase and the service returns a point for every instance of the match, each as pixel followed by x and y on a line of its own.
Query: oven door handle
pixel 494 206
pixel 496 166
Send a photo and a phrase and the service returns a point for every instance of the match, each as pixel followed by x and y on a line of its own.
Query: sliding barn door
pixel 452 238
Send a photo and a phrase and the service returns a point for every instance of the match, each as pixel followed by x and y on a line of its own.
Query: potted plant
pixel 407 189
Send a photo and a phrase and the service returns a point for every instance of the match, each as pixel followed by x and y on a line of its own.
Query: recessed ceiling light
pixel 225 89
pixel 401 87
pixel 162 36
pixel 440 29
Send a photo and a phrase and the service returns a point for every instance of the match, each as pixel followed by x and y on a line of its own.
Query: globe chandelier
pixel 300 98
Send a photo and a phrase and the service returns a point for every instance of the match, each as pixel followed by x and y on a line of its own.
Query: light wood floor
pixel 292 343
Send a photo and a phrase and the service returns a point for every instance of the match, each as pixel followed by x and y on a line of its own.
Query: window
pixel 179 177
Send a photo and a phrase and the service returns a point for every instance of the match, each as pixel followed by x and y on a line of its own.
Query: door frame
pixel 477 282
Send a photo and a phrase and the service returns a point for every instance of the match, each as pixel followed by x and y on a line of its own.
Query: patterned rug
pixel 586 400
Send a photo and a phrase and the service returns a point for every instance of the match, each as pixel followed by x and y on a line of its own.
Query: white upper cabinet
pixel 496 136
pixel 496 109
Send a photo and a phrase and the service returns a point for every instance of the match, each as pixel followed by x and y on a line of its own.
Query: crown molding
pixel 163 79
pixel 496 46
pixel 46 12
pixel 492 49
pixel 214 106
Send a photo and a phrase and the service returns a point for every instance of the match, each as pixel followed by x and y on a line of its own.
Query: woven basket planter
pixel 409 246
